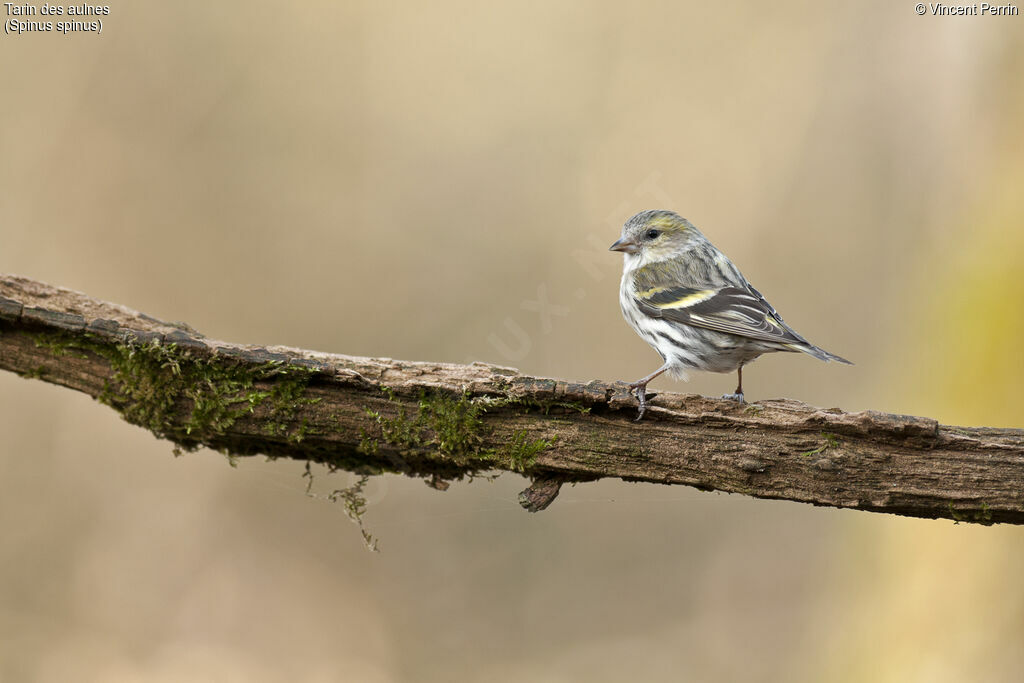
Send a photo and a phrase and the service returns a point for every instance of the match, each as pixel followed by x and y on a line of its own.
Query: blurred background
pixel 441 182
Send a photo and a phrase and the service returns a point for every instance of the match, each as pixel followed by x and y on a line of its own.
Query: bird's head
pixel 656 236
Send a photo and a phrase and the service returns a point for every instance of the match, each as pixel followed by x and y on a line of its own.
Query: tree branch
pixel 443 421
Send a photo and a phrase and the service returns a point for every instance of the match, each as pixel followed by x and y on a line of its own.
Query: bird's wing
pixel 736 310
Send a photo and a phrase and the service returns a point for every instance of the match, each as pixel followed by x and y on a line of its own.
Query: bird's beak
pixel 625 245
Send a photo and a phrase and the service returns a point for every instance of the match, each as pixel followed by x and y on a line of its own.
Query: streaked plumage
pixel 688 301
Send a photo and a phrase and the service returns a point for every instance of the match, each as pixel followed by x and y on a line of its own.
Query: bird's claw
pixel 641 396
pixel 734 397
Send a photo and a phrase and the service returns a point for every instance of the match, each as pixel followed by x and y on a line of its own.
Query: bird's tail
pixel 820 354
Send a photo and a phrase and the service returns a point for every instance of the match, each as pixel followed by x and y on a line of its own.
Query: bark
pixel 444 421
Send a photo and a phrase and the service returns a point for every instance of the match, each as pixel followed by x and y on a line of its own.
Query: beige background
pixel 404 179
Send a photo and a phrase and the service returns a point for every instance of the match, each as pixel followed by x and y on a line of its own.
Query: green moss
pixel 367 444
pixel 400 430
pixel 34 373
pixel 982 516
pixel 546 406
pixel 151 379
pixel 831 441
pixel 193 399
pixel 454 426
pixel 57 344
pixel 285 397
pixel 520 454
pixel 188 398
pixel 956 516
pixel 455 422
pixel 354 501
pixel 529 403
pixel 450 424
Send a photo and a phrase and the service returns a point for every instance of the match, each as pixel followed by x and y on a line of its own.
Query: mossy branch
pixel 444 421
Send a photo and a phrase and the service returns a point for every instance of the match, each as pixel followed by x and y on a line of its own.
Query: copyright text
pixel 982 9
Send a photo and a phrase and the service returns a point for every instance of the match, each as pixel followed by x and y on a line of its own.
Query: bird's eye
pixel 652 234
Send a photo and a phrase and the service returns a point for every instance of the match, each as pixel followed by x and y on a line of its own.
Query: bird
pixel 688 301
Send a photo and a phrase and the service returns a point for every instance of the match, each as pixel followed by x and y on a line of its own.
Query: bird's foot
pixel 640 389
pixel 734 397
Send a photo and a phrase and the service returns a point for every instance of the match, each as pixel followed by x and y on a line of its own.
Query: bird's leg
pixel 738 396
pixel 640 386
